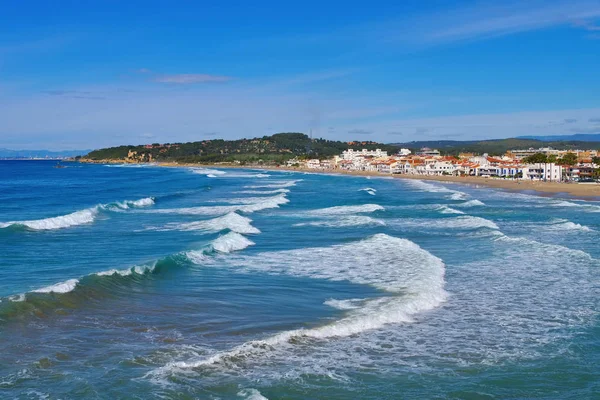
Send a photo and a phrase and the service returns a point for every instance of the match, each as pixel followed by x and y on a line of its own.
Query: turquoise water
pixel 180 283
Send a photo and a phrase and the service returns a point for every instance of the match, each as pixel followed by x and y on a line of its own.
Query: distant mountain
pixel 7 153
pixel 582 137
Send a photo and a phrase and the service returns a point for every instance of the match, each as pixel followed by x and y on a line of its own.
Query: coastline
pixel 584 191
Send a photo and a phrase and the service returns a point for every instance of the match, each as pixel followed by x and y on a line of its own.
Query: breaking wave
pixel 370 191
pixel 413 278
pixel 470 203
pixel 232 221
pixel 345 221
pixel 345 210
pixel 467 222
pixel 76 218
pixel 262 204
pixel 207 171
pixel 109 279
pixel 274 185
pixel 276 191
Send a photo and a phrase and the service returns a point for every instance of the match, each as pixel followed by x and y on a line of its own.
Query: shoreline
pixel 583 191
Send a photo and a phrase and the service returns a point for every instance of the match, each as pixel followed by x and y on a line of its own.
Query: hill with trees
pixel 277 148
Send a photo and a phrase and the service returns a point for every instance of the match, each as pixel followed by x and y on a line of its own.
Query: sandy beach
pixel 586 191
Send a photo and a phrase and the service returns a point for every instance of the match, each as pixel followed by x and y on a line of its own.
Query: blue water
pixel 180 283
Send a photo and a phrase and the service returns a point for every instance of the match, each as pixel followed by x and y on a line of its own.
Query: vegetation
pixel 541 158
pixel 275 149
pixel 495 147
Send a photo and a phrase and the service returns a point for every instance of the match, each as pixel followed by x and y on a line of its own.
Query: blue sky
pixel 79 74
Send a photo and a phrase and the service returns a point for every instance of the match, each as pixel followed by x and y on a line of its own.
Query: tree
pixel 596 160
pixel 537 158
pixel 569 159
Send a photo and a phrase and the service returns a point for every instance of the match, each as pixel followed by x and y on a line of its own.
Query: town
pixel 542 164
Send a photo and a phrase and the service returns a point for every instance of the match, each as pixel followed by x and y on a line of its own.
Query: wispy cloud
pixel 184 79
pixel 360 132
pixel 488 20
pixel 594 120
pixel 74 94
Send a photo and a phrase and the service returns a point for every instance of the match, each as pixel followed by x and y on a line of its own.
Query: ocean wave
pixel 458 196
pixel 81 217
pixel 583 206
pixel 274 185
pixel 251 394
pixel 127 204
pixel 448 210
pixel 566 225
pixel 114 278
pixel 63 221
pixel 227 243
pixel 345 221
pixel 262 204
pixel 62 287
pixel 467 222
pixel 345 210
pixel 348 304
pixel 470 203
pixel 369 190
pixel 207 171
pixel 264 192
pixel 413 277
pixel 232 221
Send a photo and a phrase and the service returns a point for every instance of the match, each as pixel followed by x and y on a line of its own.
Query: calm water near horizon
pixel 141 282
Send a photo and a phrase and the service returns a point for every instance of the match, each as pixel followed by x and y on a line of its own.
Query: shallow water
pixel 184 283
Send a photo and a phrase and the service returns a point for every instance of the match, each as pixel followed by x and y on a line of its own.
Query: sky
pixel 91 74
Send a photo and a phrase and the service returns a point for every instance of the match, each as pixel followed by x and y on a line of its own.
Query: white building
pixel 313 164
pixel 351 154
pixel 404 152
pixel 543 172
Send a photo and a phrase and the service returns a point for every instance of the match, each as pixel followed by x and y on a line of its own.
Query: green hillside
pixel 276 148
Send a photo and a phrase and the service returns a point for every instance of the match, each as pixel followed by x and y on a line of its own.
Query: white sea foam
pixel 467 222
pixel 207 171
pixel 369 190
pixel 562 225
pixel 274 185
pixel 348 304
pixel 588 207
pixel 345 221
pixel 458 196
pixel 127 204
pixel 228 243
pixel 470 203
pixel 345 210
pixel 263 204
pixel 62 287
pixel 76 218
pixel 64 221
pixel 428 187
pixel 448 210
pixel 138 269
pixel 232 221
pixel 264 192
pixel 251 394
pixel 413 277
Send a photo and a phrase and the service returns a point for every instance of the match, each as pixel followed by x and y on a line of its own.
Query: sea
pixel 146 282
